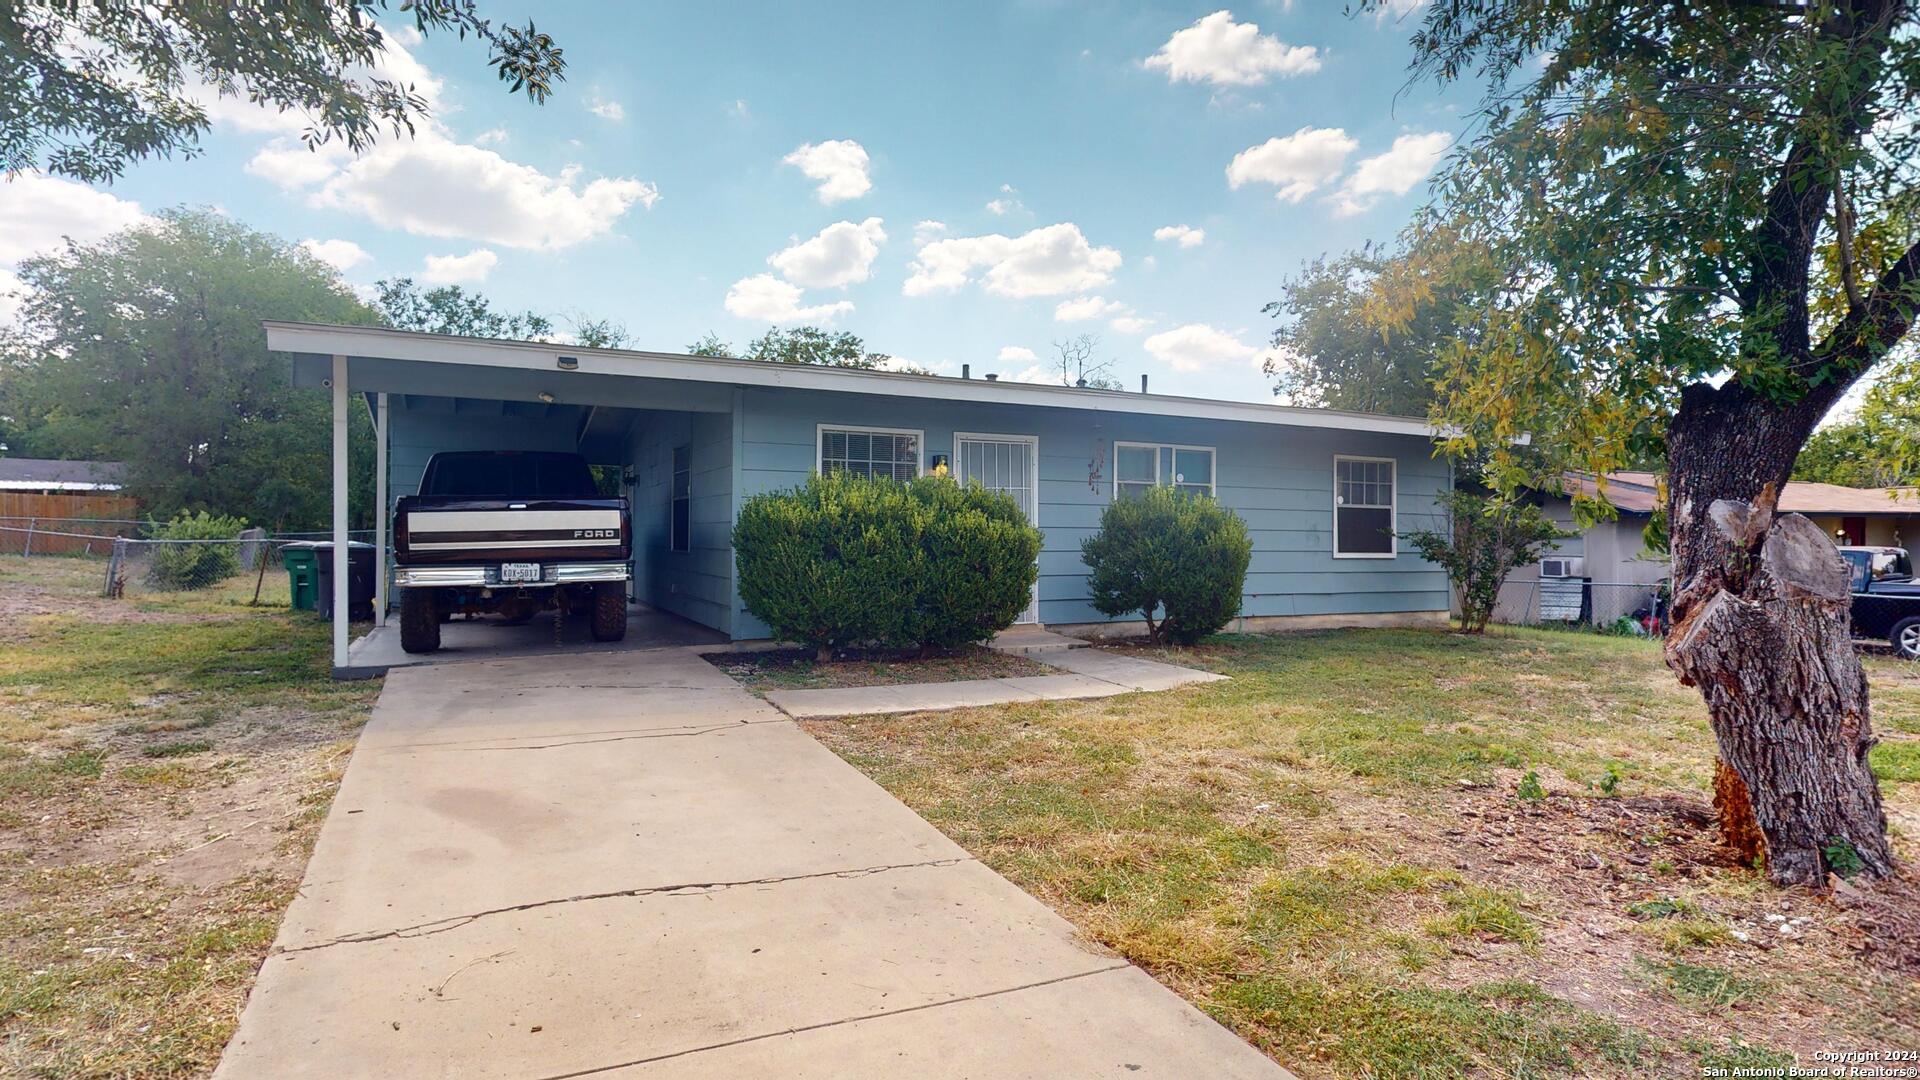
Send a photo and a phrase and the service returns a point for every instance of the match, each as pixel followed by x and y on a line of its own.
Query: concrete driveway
pixel 623 865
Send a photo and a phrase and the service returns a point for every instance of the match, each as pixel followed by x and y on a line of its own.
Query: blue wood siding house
pixel 1322 492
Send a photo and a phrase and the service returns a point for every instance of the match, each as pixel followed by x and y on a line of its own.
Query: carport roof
pixel 326 340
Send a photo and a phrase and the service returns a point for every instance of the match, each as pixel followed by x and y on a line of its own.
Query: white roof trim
pixel 321 339
pixel 55 485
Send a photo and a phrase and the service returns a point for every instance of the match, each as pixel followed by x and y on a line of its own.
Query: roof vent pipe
pixel 966 371
pixel 993 378
pixel 1143 382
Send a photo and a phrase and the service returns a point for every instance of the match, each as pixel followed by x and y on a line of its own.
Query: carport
pixel 425 397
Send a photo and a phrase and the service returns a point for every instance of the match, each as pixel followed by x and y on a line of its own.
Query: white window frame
pixel 1393 510
pixel 1213 480
pixel 919 436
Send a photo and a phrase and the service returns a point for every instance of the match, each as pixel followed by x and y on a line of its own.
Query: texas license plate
pixel 520 571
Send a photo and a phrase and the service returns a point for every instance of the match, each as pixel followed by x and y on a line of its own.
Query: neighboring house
pixel 49 476
pixel 41 497
pixel 1620 573
pixel 1322 492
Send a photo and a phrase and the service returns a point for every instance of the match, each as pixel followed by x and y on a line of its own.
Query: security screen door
pixel 1009 463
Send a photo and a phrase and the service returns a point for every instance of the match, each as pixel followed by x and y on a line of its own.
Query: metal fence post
pixel 27 551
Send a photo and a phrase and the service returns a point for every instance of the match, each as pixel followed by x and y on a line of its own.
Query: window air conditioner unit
pixel 1563 567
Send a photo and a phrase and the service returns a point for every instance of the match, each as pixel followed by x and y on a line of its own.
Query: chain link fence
pixel 1578 604
pixel 132 561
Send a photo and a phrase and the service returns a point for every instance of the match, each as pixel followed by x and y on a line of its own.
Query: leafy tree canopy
pixel 450 309
pixel 94 87
pixel 146 347
pixel 1654 202
pixel 1333 354
pixel 1880 447
pixel 803 345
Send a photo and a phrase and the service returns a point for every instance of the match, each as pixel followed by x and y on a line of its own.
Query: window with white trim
pixel 1139 466
pixel 886 453
pixel 680 527
pixel 1363 507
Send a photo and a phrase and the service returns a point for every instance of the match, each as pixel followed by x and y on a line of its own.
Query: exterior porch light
pixel 568 363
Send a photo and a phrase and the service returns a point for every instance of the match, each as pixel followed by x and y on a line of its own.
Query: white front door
pixel 1009 463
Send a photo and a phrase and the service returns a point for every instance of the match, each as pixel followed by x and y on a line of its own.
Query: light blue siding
pixel 1279 479
pixel 696 583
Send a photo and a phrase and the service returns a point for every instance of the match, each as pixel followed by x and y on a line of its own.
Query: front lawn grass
pixel 1330 854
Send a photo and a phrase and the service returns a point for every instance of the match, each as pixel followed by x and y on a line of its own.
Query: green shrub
pixel 1173 552
pixel 979 560
pixel 847 561
pixel 195 566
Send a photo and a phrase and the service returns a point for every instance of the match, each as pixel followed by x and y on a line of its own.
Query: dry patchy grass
pixel 1328 854
pixel 165 762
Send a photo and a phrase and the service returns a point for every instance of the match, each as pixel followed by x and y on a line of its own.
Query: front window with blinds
pixel 1139 466
pixel 681 529
pixel 887 454
pixel 1363 508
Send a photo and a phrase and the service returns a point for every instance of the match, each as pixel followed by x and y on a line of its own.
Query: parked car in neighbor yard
pixel 1886 598
pixel 509 533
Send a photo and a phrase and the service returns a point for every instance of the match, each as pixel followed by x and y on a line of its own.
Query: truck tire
pixel 1905 638
pixel 609 611
pixel 419 621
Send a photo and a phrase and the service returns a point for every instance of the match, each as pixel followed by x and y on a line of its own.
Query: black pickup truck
pixel 1886 598
pixel 508 533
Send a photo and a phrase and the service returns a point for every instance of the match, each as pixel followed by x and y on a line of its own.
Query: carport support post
pixel 380 509
pixel 340 551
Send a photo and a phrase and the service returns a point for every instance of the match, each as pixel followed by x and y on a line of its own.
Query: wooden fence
pixel 28 520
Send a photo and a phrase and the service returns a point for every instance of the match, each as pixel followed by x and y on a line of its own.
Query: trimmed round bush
pixel 978 562
pixel 195 566
pixel 1178 559
pixel 845 561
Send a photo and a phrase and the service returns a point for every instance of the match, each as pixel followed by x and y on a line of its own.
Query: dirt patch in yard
pixel 796 669
pixel 165 764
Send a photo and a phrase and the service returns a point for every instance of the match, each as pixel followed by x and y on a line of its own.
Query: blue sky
pixel 954 183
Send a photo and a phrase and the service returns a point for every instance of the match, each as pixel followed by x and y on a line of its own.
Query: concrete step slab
pixel 1129 671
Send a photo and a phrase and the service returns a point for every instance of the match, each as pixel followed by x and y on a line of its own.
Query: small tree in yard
pixel 1173 552
pixel 180 564
pixel 1487 538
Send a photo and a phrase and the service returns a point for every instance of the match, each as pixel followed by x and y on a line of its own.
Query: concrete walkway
pixel 1090 674
pixel 624 865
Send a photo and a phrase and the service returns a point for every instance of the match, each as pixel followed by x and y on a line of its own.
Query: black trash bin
pixel 359 580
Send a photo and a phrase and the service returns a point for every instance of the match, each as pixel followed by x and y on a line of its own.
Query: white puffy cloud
pixel 839 164
pixel 342 255
pixel 926 232
pixel 1007 203
pixel 1015 354
pixel 433 186
pixel 1185 236
pixel 1047 261
pixel 1218 50
pixel 490 136
pixel 475 265
pixel 839 255
pixel 1197 347
pixel 1409 161
pixel 1036 373
pixel 37 211
pixel 1086 307
pixel 1297 165
pixel 1397 9
pixel 1130 324
pixel 11 288
pixel 606 109
pixel 766 298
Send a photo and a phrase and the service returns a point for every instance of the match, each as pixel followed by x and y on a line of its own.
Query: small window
pixel 1135 469
pixel 1139 466
pixel 681 529
pixel 1363 508
pixel 877 452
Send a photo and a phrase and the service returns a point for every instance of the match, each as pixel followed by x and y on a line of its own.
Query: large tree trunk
pixel 1761 627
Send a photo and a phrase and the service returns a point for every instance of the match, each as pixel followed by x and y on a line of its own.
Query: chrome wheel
pixel 1907 641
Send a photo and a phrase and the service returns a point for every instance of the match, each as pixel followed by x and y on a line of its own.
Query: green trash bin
pixel 303 575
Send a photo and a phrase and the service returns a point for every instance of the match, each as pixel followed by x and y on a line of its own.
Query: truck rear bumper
pixel 488 577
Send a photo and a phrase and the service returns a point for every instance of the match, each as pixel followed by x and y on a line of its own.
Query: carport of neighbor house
pixel 422 407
